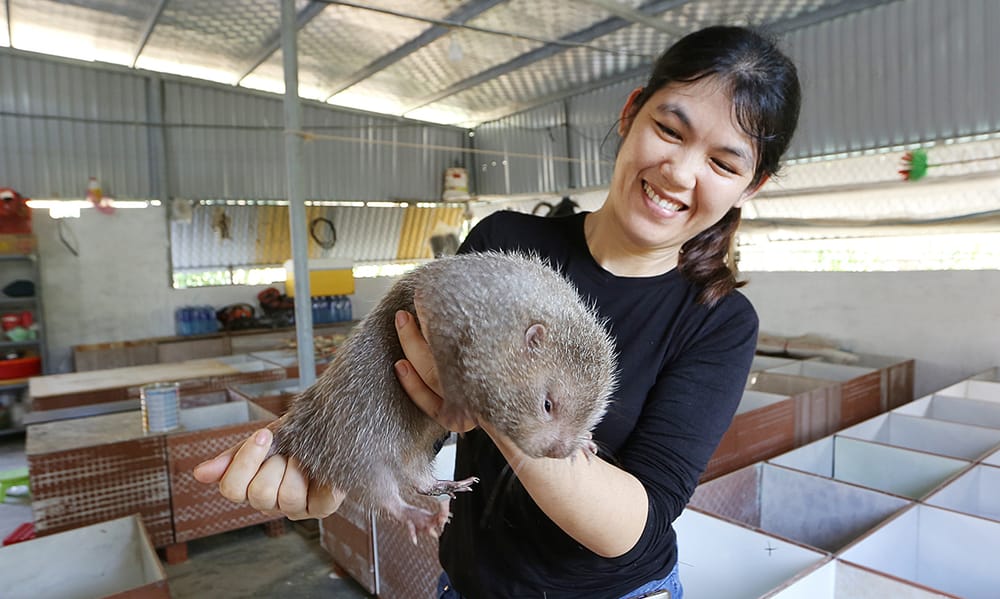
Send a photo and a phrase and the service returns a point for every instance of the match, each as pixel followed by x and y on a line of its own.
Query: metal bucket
pixel 160 407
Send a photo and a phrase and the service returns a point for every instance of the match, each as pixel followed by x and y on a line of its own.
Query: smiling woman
pixel 654 260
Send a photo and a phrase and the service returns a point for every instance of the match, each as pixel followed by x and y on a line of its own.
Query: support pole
pixel 296 201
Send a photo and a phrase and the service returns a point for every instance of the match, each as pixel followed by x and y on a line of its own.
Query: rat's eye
pixel 547 405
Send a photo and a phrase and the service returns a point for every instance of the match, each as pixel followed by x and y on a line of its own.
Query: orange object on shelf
pixel 20 368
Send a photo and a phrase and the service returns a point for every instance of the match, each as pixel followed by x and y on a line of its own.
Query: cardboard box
pixel 955 409
pixel 897 377
pixel 348 535
pixel 273 396
pixel 940 549
pixel 114 558
pixel 817 402
pixel 836 579
pixel 199 510
pixel 18 243
pixel 860 388
pixel 761 363
pixel 723 560
pixel 991 375
pixel 910 474
pixel 90 470
pixel 764 426
pixel 289 360
pixel 977 493
pixel 962 441
pixel 818 512
pixel 973 389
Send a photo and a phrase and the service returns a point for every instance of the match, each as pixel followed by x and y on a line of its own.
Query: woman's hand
pixel 273 485
pixel 419 376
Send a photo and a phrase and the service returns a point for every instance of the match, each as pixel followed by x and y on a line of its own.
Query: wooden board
pixel 130 376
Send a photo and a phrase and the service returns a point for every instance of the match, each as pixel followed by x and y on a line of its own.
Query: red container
pixel 10 321
pixel 20 368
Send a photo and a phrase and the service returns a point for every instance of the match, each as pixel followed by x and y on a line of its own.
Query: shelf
pixel 10 432
pixel 12 384
pixel 12 257
pixel 18 301
pixel 27 343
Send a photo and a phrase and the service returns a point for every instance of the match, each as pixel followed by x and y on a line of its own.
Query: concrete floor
pixel 234 565
pixel 247 563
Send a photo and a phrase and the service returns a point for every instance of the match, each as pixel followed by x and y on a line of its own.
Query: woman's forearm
pixel 601 506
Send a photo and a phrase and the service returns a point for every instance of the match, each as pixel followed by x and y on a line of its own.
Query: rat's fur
pixel 507 333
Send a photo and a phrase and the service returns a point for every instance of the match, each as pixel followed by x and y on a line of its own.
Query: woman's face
pixel 683 163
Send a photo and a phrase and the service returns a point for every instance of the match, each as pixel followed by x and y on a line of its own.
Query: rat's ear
pixel 534 336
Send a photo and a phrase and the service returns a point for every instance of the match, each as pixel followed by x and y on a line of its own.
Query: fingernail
pixel 401 318
pixel 402 369
pixel 263 437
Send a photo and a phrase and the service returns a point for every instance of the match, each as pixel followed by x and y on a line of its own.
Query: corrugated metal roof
pixel 441 60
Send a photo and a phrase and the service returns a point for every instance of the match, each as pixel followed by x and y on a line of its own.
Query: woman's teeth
pixel 670 205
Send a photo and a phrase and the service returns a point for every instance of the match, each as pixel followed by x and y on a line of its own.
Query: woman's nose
pixel 679 169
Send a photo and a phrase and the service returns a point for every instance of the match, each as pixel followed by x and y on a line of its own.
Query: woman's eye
pixel 669 131
pixel 726 167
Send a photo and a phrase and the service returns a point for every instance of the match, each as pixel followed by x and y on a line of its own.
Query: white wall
pixel 949 321
pixel 118 289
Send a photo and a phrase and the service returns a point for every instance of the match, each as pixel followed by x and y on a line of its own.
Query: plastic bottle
pixel 322 310
pixel 347 309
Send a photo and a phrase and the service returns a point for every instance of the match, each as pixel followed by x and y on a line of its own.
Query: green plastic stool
pixel 12 478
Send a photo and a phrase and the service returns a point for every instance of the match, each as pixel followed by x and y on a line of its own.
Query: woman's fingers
pixel 211 471
pixel 244 466
pixel 431 403
pixel 414 385
pixel 262 492
pixel 293 496
pixel 323 501
pixel 416 350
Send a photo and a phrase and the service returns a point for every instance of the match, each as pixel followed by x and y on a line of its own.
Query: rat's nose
pixel 560 449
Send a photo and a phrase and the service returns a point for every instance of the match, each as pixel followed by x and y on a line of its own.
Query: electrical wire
pixel 328 240
pixel 63 228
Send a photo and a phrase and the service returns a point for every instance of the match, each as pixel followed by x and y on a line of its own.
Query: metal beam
pixel 273 42
pixel 629 14
pixel 10 30
pixel 296 199
pixel 639 71
pixel 597 30
pixel 147 31
pixel 460 15
pixel 824 14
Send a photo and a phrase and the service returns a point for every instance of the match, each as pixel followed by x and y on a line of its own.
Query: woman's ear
pixel 751 192
pixel 628 112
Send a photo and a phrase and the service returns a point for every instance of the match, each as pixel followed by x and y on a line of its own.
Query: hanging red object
pixel 15 215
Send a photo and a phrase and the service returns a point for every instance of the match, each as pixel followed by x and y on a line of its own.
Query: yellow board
pixel 326 277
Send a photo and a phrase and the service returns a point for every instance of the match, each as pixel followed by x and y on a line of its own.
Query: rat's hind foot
pixel 419 520
pixel 450 487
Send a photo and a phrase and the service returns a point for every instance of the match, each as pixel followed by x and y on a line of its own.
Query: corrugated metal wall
pixel 540 132
pixel 258 235
pixel 905 72
pixel 908 71
pixel 61 123
pixel 593 131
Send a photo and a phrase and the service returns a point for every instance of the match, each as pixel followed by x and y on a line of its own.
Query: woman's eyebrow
pixel 677 110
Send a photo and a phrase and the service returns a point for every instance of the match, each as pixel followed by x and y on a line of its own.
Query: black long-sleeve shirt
pixel 682 368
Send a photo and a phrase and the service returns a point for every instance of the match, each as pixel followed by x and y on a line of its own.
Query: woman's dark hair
pixel 764 87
